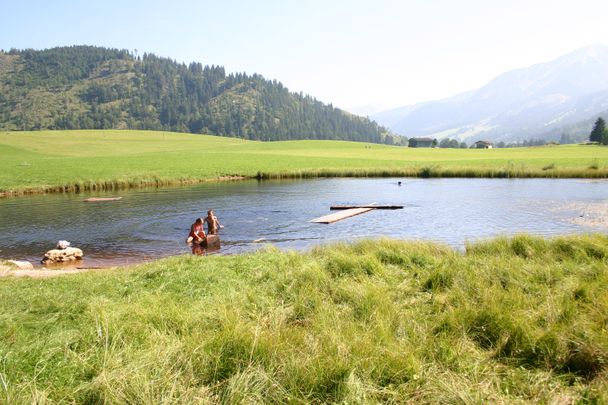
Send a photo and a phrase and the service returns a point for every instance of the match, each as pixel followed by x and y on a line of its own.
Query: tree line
pixel 456 144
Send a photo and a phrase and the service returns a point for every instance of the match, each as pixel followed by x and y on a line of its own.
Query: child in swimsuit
pixel 197 232
pixel 213 224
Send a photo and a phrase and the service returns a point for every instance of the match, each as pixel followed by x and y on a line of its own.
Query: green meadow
pixel 47 161
pixel 521 320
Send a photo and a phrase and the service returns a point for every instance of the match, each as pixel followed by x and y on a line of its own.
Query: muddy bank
pixel 45 273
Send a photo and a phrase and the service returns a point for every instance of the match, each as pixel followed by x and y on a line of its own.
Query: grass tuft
pixel 550 166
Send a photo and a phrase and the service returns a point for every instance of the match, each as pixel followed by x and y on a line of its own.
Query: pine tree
pixel 599 128
pixel 604 139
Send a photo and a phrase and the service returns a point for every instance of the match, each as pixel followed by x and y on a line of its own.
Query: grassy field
pixel 511 320
pixel 47 161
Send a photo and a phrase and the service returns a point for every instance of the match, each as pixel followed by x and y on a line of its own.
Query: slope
pixel 85 87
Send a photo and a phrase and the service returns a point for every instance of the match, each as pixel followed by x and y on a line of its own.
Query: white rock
pixel 22 264
pixel 62 244
pixel 62 255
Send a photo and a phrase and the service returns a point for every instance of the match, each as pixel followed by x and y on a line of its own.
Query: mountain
pixel 367 109
pixel 86 87
pixel 539 100
pixel 574 132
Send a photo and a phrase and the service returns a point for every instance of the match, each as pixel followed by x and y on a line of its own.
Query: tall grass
pixel 510 320
pixel 437 171
pixel 112 185
pixel 422 172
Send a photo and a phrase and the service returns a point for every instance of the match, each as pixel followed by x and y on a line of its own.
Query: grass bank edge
pixel 432 171
pixel 58 161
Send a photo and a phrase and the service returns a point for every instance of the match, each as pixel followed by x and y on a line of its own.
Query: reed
pixel 421 172
pixel 438 171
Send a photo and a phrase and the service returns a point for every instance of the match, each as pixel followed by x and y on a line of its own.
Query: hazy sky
pixel 349 52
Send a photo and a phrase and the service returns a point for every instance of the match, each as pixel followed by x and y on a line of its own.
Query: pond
pixel 151 223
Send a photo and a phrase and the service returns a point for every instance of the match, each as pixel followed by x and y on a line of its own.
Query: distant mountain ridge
pixel 87 87
pixel 537 101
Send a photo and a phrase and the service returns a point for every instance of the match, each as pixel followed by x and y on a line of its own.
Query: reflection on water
pixel 150 223
pixel 199 250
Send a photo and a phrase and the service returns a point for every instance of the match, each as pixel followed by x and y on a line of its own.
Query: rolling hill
pixel 86 87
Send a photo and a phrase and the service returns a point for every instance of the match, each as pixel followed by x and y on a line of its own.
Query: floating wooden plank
pixel 100 199
pixel 338 216
pixel 379 207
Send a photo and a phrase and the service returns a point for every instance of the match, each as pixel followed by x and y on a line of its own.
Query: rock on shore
pixel 62 255
pixel 21 264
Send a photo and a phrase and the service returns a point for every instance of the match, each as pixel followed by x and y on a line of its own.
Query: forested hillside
pixel 85 87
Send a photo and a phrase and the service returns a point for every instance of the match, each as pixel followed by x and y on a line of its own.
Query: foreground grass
pixel 511 320
pixel 55 161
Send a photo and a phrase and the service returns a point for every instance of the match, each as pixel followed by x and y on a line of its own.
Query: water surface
pixel 152 223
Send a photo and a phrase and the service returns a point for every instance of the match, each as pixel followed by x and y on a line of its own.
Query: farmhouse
pixel 483 145
pixel 420 143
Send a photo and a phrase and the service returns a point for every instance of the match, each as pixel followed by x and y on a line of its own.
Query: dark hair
pixel 198 221
pixel 209 212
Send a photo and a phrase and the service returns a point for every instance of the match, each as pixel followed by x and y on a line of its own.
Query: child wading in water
pixel 213 224
pixel 197 232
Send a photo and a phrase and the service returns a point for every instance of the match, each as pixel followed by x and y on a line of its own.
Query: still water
pixel 152 223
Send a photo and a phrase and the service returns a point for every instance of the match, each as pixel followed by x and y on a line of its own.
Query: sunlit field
pixel 46 161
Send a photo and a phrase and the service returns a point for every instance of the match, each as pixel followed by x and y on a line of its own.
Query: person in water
pixel 197 232
pixel 213 224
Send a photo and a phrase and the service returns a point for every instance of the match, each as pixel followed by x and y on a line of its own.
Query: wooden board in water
pixel 379 207
pixel 338 216
pixel 100 199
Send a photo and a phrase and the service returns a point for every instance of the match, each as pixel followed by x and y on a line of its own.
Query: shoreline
pixel 7 270
pixel 46 273
pixel 433 171
pixel 110 185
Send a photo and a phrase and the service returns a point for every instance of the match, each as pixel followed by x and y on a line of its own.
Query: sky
pixel 358 55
